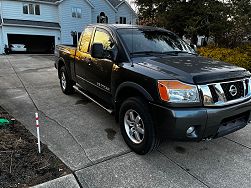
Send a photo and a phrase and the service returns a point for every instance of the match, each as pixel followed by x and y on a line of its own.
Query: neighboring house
pixel 42 24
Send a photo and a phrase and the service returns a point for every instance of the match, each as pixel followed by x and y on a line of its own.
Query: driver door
pixel 99 70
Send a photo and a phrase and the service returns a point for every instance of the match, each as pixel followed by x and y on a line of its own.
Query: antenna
pixel 132 23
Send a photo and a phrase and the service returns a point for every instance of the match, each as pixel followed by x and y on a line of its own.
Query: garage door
pixel 34 43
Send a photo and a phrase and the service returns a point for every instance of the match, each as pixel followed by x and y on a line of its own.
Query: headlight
pixel 178 92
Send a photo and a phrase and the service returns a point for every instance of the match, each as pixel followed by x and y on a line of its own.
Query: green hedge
pixel 240 56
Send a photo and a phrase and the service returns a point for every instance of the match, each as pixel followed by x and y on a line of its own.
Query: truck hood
pixel 192 69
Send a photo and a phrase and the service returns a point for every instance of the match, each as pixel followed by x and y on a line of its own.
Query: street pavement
pixel 88 140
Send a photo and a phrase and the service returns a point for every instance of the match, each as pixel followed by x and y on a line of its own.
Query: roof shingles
pixel 47 1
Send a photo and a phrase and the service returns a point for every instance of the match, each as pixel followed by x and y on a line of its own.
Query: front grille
pixel 239 85
pixel 214 94
pixel 224 93
pixel 246 85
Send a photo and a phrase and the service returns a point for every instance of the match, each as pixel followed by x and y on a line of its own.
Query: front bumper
pixel 209 122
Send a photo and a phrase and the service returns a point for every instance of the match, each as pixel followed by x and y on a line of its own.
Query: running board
pixel 93 100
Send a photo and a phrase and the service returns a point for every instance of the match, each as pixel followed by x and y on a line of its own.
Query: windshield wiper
pixel 176 52
pixel 146 52
pixel 180 51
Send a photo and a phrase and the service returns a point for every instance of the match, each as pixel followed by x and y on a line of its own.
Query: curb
pixel 67 181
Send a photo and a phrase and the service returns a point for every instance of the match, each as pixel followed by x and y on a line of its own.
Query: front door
pixel 99 71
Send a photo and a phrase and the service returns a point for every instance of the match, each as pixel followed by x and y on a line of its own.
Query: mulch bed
pixel 20 163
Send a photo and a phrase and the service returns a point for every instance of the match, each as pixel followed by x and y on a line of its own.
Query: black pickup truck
pixel 155 84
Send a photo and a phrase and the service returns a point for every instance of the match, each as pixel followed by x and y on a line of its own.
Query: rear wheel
pixel 137 127
pixel 65 83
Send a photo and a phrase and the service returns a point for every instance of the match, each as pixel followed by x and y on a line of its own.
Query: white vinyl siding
pixel 14 10
pixel 68 23
pixel 125 12
pixel 102 6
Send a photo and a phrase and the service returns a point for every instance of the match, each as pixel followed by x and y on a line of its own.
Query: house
pixel 42 24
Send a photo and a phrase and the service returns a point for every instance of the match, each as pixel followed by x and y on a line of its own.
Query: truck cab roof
pixel 128 26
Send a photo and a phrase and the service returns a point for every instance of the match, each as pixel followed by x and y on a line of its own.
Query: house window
pixel 37 9
pixel 25 9
pixel 76 12
pixel 122 20
pixel 31 9
pixel 102 18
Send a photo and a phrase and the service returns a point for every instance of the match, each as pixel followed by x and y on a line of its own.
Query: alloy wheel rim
pixel 63 81
pixel 134 126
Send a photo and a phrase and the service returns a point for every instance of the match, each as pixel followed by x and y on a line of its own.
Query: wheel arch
pixel 61 63
pixel 127 90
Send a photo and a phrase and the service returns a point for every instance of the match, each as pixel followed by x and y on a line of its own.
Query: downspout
pixel 3 45
pixel 2 11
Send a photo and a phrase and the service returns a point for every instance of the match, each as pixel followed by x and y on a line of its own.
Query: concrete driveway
pixel 88 140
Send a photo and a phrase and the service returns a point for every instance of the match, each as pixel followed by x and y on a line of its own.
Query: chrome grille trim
pixel 207 95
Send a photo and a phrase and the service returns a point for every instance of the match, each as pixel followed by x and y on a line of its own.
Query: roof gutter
pixel 39 1
pixel 112 6
pixel 60 1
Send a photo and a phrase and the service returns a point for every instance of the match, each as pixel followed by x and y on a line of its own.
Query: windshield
pixel 153 41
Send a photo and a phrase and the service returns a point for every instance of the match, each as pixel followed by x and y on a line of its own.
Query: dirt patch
pixel 20 163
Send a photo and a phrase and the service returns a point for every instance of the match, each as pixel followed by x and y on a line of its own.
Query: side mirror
pixel 97 51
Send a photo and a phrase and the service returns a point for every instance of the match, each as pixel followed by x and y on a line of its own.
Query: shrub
pixel 240 56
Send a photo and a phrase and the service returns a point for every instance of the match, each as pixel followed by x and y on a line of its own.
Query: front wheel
pixel 65 83
pixel 137 127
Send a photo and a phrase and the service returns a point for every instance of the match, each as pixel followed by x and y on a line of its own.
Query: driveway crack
pixel 174 162
pixel 22 83
pixel 237 142
pixel 65 128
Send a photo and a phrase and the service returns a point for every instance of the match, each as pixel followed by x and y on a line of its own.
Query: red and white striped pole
pixel 38 134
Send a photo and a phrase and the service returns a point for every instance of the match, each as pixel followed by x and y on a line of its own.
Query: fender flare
pixel 66 67
pixel 135 86
pixel 61 60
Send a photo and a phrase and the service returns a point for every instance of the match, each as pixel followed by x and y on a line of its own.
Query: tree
pixel 221 19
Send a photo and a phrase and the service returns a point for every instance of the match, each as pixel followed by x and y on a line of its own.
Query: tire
pixel 65 83
pixel 137 109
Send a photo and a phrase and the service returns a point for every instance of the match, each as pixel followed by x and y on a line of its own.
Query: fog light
pixel 191 132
